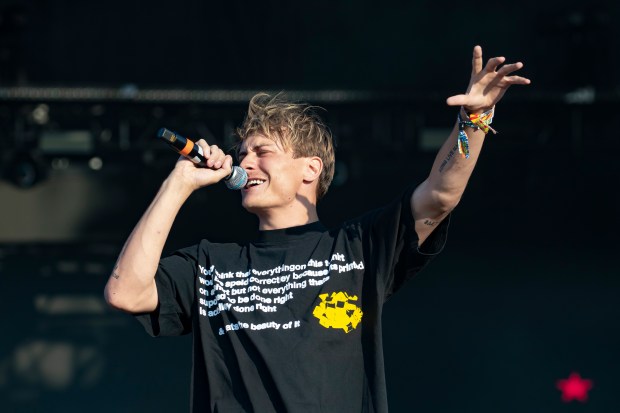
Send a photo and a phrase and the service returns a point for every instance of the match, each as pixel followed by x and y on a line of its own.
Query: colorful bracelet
pixel 475 121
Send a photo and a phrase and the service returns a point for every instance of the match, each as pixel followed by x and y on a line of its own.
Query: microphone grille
pixel 238 178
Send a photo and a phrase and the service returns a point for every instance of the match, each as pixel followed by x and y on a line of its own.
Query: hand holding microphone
pixel 237 178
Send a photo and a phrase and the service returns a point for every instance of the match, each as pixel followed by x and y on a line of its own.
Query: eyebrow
pixel 244 150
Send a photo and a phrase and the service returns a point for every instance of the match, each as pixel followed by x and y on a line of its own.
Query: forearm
pixel 131 286
pixel 439 194
pixel 434 198
pixel 451 171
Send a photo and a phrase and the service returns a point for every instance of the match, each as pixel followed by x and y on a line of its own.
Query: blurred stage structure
pixel 93 136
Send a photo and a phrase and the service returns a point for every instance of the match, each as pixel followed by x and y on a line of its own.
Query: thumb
pixel 228 162
pixel 457 100
pixel 226 168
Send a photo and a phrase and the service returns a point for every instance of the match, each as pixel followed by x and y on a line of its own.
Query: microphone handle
pixel 186 147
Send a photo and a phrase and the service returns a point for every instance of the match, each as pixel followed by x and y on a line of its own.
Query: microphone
pixel 186 147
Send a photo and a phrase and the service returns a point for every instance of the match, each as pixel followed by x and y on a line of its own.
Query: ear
pixel 314 167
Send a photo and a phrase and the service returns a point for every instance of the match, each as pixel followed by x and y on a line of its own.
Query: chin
pixel 256 204
pixel 251 205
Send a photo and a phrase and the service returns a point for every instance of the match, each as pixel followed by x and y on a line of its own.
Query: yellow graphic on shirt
pixel 337 311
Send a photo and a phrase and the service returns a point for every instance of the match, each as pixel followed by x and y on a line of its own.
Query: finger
pixel 493 63
pixel 226 167
pixel 206 151
pixel 228 163
pixel 476 60
pixel 517 80
pixel 507 69
pixel 216 158
pixel 457 100
pixel 220 159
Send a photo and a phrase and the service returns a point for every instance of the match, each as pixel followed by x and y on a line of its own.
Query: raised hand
pixel 219 166
pixel 487 85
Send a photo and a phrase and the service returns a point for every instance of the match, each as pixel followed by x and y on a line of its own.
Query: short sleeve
pixel 414 258
pixel 391 244
pixel 175 280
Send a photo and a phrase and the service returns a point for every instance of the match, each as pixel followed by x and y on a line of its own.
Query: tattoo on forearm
pixel 430 223
pixel 448 157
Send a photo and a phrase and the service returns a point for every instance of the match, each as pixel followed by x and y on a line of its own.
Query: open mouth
pixel 254 182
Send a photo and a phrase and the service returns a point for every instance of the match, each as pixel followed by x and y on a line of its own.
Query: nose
pixel 248 161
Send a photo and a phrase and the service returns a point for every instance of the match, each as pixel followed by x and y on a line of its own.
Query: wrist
pixel 178 185
pixel 475 121
pixel 467 111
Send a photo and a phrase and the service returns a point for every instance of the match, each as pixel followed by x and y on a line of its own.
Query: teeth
pixel 253 182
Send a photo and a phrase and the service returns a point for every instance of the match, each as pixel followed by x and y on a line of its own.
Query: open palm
pixel 487 85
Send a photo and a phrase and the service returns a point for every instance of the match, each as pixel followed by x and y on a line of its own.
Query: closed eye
pixel 261 149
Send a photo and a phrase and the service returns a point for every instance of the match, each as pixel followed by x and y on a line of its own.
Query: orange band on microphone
pixel 189 145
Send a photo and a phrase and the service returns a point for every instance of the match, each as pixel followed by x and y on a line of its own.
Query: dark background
pixel 525 292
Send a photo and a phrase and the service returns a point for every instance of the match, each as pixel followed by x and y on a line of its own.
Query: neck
pixel 285 219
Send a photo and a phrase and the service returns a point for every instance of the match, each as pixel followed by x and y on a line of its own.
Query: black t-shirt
pixel 292 321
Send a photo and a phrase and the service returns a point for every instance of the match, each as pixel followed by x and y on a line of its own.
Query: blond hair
pixel 296 126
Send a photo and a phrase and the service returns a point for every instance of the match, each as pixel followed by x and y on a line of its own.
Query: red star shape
pixel 574 388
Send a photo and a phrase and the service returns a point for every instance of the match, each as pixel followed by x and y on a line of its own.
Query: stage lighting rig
pixel 25 169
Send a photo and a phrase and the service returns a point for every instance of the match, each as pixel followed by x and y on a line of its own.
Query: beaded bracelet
pixel 475 121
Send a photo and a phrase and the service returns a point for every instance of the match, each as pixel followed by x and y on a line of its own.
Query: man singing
pixel 291 322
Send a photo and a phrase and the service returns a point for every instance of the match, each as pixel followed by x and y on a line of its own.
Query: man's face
pixel 274 176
